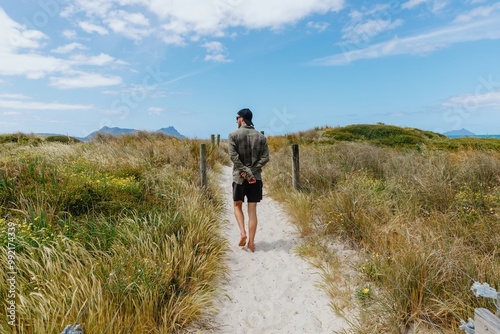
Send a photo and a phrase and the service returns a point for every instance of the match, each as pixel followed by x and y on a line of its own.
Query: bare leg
pixel 240 218
pixel 252 225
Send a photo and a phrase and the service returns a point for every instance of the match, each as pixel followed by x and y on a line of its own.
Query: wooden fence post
pixel 203 165
pixel 212 140
pixel 295 166
pixel 218 140
pixel 486 322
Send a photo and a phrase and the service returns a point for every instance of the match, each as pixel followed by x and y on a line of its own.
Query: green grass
pixel 114 234
pixel 20 138
pixel 62 139
pixel 424 220
pixel 460 144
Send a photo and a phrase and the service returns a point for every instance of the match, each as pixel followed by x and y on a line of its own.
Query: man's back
pixel 249 143
pixel 248 147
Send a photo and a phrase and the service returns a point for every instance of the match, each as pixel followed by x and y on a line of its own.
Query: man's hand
pixel 252 179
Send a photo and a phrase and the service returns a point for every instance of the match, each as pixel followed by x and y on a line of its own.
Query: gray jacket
pixel 249 152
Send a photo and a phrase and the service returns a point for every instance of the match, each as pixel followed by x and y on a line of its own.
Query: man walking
pixel 249 152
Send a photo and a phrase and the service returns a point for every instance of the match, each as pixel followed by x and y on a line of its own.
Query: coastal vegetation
pixel 422 210
pixel 114 234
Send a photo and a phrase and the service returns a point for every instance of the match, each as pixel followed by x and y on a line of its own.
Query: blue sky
pixel 74 66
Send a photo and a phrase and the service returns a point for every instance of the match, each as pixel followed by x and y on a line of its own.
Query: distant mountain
pixel 171 131
pixel 49 134
pixel 460 133
pixel 109 131
pixel 115 131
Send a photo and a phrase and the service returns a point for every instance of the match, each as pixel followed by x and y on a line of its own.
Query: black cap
pixel 247 116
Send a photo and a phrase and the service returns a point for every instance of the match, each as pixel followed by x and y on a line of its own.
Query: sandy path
pixel 272 290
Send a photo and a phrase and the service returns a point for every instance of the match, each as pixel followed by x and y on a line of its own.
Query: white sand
pixel 272 290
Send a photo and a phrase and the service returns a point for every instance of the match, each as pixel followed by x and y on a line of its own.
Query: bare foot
pixel 243 241
pixel 251 247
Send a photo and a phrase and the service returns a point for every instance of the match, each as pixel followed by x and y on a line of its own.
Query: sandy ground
pixel 272 290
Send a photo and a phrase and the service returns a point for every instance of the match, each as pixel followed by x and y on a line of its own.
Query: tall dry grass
pixel 425 221
pixel 114 234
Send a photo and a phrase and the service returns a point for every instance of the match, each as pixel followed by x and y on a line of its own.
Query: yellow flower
pixel 366 291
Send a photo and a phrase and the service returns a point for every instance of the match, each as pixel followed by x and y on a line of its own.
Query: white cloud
pixel 378 10
pixel 156 111
pixel 151 91
pixel 365 31
pixel 438 5
pixel 36 66
pixel 92 8
pixel 319 26
pixel 413 3
pixel 69 48
pixel 367 23
pixel 15 36
pixel 478 13
pixel 435 5
pixel 217 58
pixel 91 28
pixel 13 96
pixel 31 65
pixel 11 113
pixel 419 44
pixel 216 52
pixel 256 14
pixel 173 39
pixel 100 60
pixel 29 105
pixel 214 47
pixel 20 55
pixel 182 20
pixel 133 18
pixel 131 25
pixel 84 80
pixel 69 34
pixel 490 100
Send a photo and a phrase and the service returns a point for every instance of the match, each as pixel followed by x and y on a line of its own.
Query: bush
pixel 381 134
pixel 20 138
pixel 62 139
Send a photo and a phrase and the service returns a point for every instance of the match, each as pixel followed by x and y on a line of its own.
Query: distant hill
pixel 394 136
pixel 380 134
pixel 459 133
pixel 171 131
pixel 115 131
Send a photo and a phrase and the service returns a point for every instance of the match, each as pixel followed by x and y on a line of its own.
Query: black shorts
pixel 253 192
